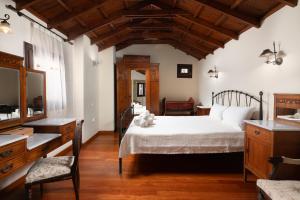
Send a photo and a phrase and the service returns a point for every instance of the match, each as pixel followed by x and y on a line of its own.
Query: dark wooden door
pixel 123 96
pixel 154 89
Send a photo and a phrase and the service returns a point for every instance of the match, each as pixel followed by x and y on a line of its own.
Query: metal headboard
pixel 239 96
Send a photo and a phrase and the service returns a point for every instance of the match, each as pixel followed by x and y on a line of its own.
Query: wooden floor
pixel 150 177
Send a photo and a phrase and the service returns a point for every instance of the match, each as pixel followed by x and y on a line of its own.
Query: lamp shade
pixel 266 53
pixel 211 73
pixel 5 27
pixel 281 54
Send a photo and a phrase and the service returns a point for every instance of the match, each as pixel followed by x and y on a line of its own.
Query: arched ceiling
pixel 197 27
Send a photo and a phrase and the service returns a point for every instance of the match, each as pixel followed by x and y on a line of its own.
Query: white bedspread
pixel 182 135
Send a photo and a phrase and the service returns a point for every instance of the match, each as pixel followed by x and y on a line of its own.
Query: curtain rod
pixel 10 7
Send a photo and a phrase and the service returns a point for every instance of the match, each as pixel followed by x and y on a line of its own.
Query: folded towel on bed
pixel 145 119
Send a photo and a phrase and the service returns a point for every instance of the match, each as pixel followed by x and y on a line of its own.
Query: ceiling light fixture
pixel 4 25
pixel 274 57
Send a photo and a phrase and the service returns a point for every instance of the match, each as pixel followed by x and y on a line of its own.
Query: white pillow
pixel 235 116
pixel 216 111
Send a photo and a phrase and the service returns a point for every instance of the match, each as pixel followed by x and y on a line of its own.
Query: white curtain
pixel 48 56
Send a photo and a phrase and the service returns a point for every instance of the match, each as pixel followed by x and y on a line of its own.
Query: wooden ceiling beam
pixel 64 5
pixel 110 34
pixel 23 4
pixel 236 4
pixel 53 23
pixel 230 13
pixel 201 22
pixel 173 43
pixel 150 26
pixel 199 36
pixel 154 13
pixel 116 15
pixel 292 3
pixel 212 27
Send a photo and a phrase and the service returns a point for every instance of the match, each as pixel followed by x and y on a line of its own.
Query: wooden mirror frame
pixel 38 116
pixel 14 62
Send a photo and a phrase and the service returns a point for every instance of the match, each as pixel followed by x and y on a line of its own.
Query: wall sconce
pixel 4 25
pixel 274 57
pixel 213 73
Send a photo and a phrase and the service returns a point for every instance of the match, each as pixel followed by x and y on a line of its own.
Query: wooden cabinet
pixel 201 110
pixel 12 157
pixel 265 139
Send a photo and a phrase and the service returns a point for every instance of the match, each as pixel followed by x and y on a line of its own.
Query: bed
pixel 187 134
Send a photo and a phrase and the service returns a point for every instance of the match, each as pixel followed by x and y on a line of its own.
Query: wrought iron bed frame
pixel 216 98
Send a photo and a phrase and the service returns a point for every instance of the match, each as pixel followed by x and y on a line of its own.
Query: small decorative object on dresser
pixel 265 139
pixel 202 110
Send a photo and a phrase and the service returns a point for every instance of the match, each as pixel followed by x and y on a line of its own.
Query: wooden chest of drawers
pixel 12 157
pixel 261 143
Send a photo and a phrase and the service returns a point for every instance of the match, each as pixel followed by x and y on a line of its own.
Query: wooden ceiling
pixel 197 27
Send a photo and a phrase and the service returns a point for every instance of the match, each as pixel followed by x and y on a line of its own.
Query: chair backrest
pixel 77 141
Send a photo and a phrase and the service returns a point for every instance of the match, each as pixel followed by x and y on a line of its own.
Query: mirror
pixel 138 91
pixel 9 94
pixel 35 93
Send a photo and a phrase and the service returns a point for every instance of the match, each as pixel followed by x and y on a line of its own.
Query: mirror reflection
pixel 9 94
pixel 138 91
pixel 35 93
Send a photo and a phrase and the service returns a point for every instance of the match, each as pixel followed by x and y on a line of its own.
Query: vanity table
pixel 25 96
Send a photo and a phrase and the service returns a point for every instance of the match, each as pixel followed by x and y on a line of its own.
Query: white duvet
pixel 182 135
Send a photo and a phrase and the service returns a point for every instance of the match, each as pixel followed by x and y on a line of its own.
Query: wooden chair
pixel 276 189
pixel 54 169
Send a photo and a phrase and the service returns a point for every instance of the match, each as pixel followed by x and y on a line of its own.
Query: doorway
pixel 138 91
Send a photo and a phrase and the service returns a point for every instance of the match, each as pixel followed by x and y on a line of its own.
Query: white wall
pixel 106 93
pixel 168 57
pixel 82 79
pixel 91 90
pixel 241 68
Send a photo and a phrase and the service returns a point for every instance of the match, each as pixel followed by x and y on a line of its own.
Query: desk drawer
pixel 68 128
pixel 259 133
pixel 6 168
pixel 43 150
pixel 12 150
pixel 67 132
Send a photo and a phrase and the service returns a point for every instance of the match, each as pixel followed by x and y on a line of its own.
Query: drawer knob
pixel 5 154
pixel 257 132
pixel 6 168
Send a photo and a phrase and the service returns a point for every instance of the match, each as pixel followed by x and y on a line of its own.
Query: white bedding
pixel 182 135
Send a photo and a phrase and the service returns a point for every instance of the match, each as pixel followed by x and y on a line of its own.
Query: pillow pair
pixel 232 115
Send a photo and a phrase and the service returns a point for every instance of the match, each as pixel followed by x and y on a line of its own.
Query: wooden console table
pixel 17 150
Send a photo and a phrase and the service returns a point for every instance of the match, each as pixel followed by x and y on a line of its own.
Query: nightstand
pixel 202 110
pixel 265 139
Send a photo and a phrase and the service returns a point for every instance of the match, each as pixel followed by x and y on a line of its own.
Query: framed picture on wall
pixel 140 90
pixel 184 71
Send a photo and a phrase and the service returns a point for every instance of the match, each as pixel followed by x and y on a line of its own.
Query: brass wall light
pixel 273 57
pixel 213 73
pixel 4 25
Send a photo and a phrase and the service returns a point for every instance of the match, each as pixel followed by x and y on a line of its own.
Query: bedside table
pixel 202 110
pixel 265 139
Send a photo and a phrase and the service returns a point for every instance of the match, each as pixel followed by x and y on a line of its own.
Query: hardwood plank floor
pixel 152 177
